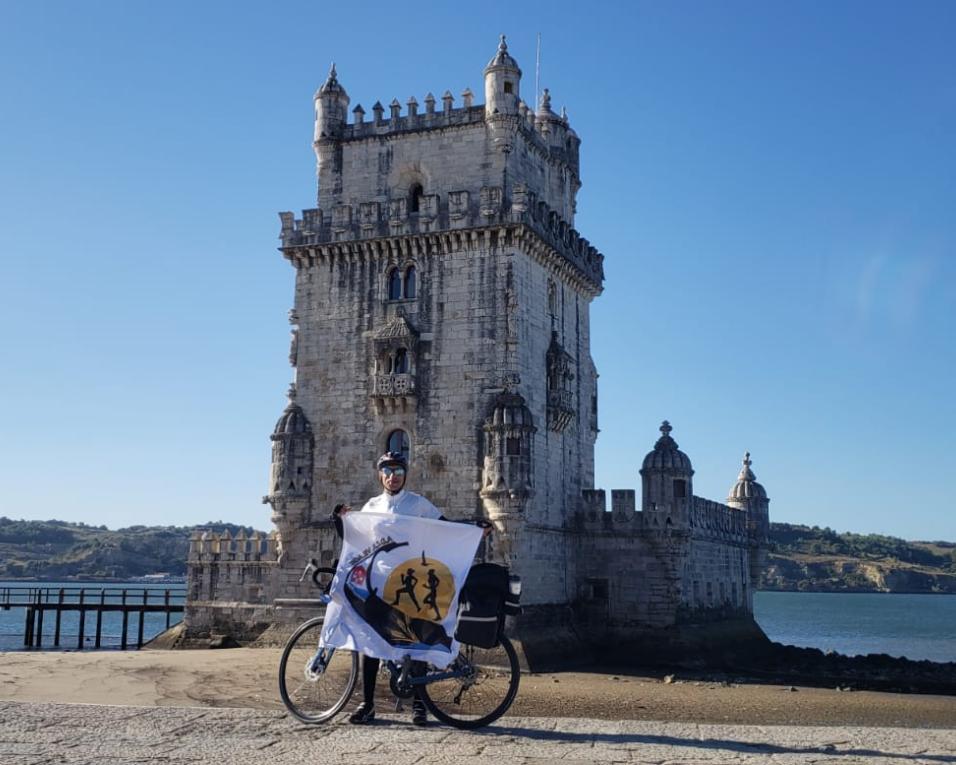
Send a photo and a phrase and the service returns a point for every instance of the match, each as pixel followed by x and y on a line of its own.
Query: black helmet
pixel 392 459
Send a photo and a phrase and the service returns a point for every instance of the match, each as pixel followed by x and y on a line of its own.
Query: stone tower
pixel 442 309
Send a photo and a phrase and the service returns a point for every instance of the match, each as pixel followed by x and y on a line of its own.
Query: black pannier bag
pixel 485 600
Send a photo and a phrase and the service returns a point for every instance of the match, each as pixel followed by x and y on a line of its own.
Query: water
pixel 12 621
pixel 914 626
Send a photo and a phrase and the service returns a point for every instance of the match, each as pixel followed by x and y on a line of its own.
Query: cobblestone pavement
pixel 31 734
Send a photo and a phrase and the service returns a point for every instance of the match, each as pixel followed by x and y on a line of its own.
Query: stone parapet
pixel 623 517
pixel 526 218
pixel 713 520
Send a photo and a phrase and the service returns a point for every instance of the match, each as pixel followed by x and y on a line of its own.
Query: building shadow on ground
pixel 744 747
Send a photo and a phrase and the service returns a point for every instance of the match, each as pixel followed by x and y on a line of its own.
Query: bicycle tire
pixel 473 705
pixel 315 698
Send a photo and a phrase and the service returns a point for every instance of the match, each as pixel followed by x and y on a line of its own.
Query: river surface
pixel 914 626
pixel 12 621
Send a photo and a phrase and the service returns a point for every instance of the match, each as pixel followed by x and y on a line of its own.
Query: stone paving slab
pixel 75 734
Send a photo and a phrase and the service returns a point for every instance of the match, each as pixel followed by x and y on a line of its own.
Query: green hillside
pixel 57 549
pixel 800 557
pixel 821 560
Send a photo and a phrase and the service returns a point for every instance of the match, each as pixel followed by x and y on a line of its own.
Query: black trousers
pixel 370 675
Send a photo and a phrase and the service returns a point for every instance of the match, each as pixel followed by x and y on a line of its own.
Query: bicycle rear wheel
pixel 487 685
pixel 315 686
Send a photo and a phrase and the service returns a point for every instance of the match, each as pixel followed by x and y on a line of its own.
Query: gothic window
pixel 394 284
pixel 415 194
pixel 398 442
pixel 680 489
pixel 410 283
pixel 401 362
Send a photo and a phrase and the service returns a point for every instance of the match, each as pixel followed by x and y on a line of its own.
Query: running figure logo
pixel 421 587
pixel 409 580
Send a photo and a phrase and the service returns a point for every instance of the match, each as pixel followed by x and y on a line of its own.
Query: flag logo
pixel 395 592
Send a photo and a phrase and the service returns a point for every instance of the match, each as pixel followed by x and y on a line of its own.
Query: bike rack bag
pixel 485 600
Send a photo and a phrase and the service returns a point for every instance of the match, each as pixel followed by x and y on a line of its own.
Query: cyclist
pixel 392 472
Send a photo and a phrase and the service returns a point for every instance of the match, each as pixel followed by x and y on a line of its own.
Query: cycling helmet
pixel 394 459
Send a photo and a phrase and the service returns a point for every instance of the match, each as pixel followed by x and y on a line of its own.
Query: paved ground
pixel 31 734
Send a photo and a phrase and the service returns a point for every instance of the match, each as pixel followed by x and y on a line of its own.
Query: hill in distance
pixel 800 558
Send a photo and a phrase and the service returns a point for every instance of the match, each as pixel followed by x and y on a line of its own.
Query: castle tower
pixel 440 284
pixel 331 116
pixel 751 497
pixel 502 83
pixel 331 108
pixel 667 484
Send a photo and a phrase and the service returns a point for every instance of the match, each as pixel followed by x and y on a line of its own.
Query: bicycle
pixel 316 683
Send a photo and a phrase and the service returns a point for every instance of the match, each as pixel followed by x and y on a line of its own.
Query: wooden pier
pixel 38 601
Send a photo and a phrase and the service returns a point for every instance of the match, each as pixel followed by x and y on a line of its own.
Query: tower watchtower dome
pixel 331 108
pixel 667 477
pixel 502 83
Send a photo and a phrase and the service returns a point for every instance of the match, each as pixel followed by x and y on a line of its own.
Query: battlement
pixel 458 211
pixel 209 547
pixel 622 517
pixel 716 520
pixel 549 133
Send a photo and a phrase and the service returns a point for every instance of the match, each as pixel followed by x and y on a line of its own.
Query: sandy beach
pixel 246 678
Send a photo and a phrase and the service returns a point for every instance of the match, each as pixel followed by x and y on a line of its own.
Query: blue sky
pixel 773 186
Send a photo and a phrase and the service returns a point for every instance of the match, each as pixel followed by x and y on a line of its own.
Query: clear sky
pixel 773 185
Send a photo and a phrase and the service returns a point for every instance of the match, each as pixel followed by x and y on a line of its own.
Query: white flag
pixel 395 592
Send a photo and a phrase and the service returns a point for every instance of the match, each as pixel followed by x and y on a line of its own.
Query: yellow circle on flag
pixel 420 587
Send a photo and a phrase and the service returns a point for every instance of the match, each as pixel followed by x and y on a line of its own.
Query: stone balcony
pixel 456 212
pixel 394 392
pixel 393 385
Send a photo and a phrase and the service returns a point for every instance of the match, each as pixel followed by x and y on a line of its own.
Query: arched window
pixel 415 194
pixel 401 362
pixel 394 284
pixel 410 283
pixel 398 442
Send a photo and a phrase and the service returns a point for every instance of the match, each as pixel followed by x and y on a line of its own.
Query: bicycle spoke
pixel 314 696
pixel 480 695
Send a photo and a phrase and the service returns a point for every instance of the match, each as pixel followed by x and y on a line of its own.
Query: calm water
pixel 914 626
pixel 12 621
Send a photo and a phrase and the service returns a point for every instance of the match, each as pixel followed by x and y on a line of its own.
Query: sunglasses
pixel 387 471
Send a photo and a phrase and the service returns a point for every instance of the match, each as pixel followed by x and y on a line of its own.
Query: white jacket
pixel 403 503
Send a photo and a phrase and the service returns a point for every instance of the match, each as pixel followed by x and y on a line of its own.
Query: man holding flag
pixel 400 625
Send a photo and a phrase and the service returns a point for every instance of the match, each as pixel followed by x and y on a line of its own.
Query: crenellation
pixel 437 214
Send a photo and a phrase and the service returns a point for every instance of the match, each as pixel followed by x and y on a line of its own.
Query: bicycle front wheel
pixel 315 685
pixel 485 684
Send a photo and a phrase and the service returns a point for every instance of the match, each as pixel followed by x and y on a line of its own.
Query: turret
pixel 290 480
pixel 750 497
pixel 331 108
pixel 667 482
pixel 502 82
pixel 507 480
